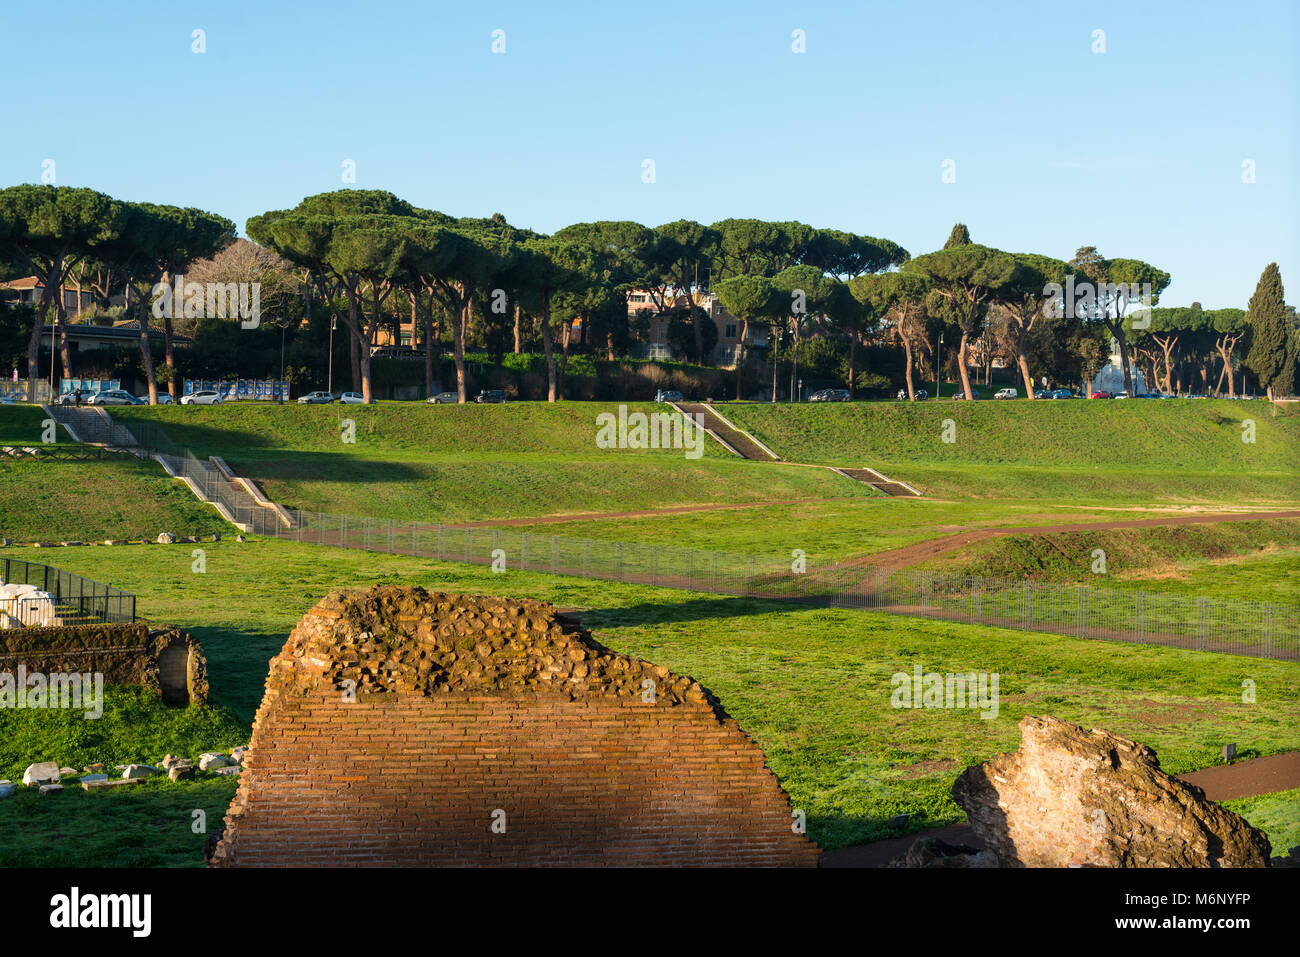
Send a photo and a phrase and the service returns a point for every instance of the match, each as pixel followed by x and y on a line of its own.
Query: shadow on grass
pixel 237 666
pixel 694 609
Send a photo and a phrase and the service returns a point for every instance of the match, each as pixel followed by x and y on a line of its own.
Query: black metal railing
pixel 73 598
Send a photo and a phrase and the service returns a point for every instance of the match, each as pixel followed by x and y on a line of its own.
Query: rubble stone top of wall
pixel 406 639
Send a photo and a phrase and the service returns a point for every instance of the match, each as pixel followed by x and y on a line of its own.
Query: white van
pixel 1006 394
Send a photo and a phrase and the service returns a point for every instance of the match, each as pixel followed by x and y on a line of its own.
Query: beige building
pixel 654 343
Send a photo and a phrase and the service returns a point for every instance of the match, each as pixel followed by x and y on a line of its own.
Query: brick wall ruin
pixel 402 727
pixel 160 657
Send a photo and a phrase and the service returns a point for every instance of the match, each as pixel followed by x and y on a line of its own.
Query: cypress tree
pixel 1267 317
pixel 960 236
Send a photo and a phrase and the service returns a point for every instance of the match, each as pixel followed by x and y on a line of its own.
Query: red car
pixel 1102 394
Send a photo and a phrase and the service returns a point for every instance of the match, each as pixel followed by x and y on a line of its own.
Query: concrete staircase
pixel 877 481
pixel 731 437
pixel 91 425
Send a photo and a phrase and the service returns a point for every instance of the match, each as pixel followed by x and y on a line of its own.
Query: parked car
pixel 1102 394
pixel 316 398
pixel 667 395
pixel 164 398
pixel 444 398
pixel 352 398
pixel 1006 394
pixel 1042 393
pixel 114 397
pixel 830 395
pixel 920 394
pixel 202 397
pixel 961 394
pixel 8 400
pixel 490 396
pixel 1061 394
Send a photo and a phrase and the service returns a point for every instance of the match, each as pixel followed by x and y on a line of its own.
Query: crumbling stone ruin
pixel 403 727
pixel 1075 798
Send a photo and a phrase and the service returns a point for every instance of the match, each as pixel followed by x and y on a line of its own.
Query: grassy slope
pixel 1218 553
pixel 811 686
pixel 461 463
pixel 120 497
pixel 1173 450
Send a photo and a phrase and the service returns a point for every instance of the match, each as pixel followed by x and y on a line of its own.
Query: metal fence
pixel 73 600
pixel 1233 626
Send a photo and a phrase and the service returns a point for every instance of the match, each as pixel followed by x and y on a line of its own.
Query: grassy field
pixel 811 686
pixel 1277 815
pixel 830 531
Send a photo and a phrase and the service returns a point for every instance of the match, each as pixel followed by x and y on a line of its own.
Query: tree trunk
pixel 1124 358
pixel 146 354
pixel 428 355
pixel 740 358
pixel 566 336
pixel 65 350
pixel 907 365
pixel 519 331
pixel 38 327
pixel 961 366
pixel 173 386
pixel 551 390
pixel 1023 361
pixel 458 346
pixel 853 353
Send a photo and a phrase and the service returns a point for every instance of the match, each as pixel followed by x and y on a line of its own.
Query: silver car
pixel 113 397
pixel 203 397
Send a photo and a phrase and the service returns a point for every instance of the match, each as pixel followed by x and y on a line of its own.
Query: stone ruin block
pixel 1076 798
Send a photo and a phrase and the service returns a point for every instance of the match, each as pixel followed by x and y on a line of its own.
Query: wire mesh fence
pixel 1233 626
pixel 68 599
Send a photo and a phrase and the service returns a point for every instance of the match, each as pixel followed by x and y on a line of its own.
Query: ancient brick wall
pixel 159 657
pixel 514 740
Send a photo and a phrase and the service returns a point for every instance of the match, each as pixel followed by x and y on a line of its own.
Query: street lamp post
pixel 333 322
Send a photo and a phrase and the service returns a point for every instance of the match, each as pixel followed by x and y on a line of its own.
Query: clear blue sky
pixel 1137 151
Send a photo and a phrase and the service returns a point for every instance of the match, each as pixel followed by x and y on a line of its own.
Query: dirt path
pixel 1278 772
pixel 646 513
pixel 936 547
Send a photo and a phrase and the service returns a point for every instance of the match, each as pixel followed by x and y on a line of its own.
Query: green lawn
pixel 1277 815
pixel 811 685
pixel 119 497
